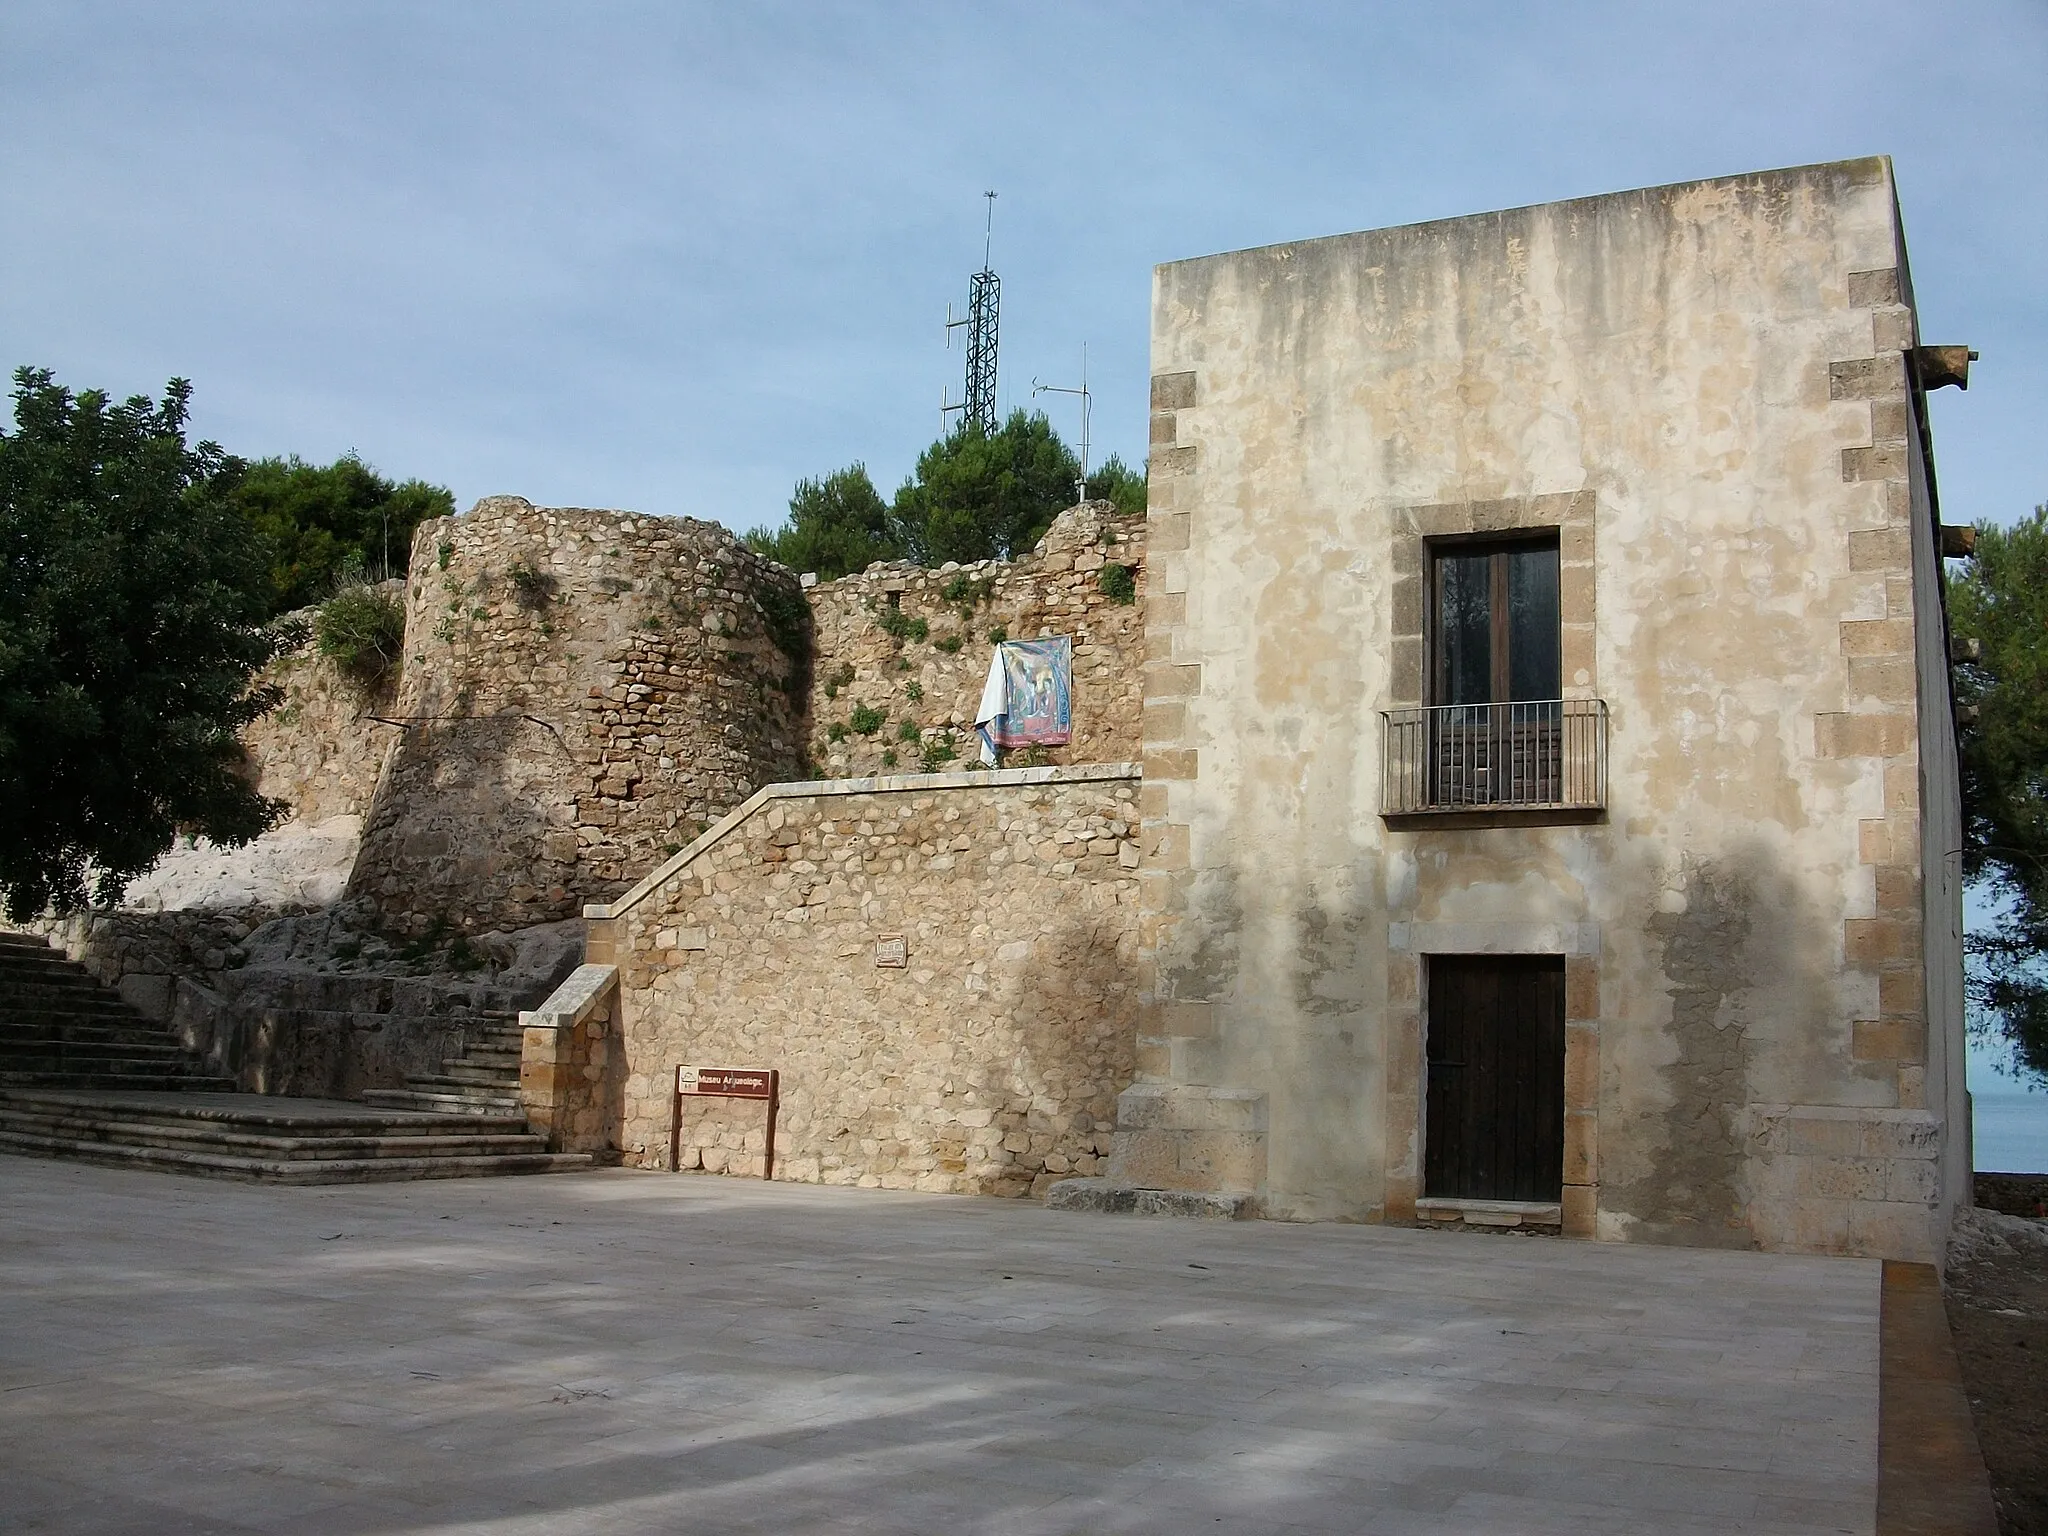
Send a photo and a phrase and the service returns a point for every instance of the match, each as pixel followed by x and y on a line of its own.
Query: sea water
pixel 2008 1115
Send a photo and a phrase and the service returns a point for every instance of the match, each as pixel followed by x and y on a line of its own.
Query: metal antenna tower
pixel 1037 389
pixel 984 305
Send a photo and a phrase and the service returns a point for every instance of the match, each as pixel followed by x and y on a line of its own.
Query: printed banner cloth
pixel 1028 699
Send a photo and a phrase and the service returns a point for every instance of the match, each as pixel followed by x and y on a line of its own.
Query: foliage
pixel 937 752
pixel 836 731
pixel 837 679
pixel 837 525
pixel 889 757
pixel 972 593
pixel 866 720
pixel 899 625
pixel 132 608
pixel 534 588
pixel 787 615
pixel 2001 601
pixel 361 628
pixel 314 518
pixel 913 692
pixel 999 634
pixel 1118 482
pixel 1118 584
pixel 950 644
pixel 908 731
pixel 977 496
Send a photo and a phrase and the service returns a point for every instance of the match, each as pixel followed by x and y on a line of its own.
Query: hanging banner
pixel 1028 699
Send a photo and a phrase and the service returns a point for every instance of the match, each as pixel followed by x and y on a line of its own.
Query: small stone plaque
pixel 893 950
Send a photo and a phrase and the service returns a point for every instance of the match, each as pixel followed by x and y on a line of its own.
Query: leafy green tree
pixel 1118 482
pixel 315 518
pixel 979 497
pixel 836 526
pixel 132 609
pixel 2001 601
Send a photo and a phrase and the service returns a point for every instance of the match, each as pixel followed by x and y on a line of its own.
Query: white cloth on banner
pixel 994 693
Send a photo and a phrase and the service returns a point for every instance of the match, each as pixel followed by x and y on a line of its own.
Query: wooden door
pixel 1494 1127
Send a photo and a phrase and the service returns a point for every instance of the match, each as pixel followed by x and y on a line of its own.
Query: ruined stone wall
pixel 926 687
pixel 1699 390
pixel 321 750
pixel 583 691
pixel 938 965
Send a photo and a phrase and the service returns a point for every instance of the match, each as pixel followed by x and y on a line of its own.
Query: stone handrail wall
pixel 1055 590
pixel 939 965
pixel 564 1059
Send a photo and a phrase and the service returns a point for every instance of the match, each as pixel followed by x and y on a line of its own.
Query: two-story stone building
pixel 1549 780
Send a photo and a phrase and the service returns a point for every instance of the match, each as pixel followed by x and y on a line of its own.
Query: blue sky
pixel 671 257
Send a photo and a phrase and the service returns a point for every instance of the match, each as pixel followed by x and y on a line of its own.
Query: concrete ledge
pixel 1126 1200
pixel 1492 1213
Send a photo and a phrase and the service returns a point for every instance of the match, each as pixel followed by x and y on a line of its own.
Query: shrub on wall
pixel 1118 584
pixel 361 629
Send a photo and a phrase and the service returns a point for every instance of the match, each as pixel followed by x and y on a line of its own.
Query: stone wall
pixel 939 966
pixel 929 687
pixel 321 750
pixel 583 691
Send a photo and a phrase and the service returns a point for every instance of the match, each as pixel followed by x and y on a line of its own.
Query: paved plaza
pixel 632 1352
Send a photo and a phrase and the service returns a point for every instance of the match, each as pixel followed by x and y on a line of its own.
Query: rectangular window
pixel 1497 733
pixel 1496 636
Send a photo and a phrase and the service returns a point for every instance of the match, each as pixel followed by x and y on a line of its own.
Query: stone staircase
pixel 483 1080
pixel 61 1029
pixel 84 1076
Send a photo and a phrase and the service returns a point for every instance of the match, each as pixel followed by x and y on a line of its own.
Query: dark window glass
pixel 1533 662
pixel 1496 623
pixel 1465 628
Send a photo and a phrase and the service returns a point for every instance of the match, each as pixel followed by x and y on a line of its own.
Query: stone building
pixel 1549 771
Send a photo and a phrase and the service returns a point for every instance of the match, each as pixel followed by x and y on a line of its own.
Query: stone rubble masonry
pixel 320 750
pixel 1055 590
pixel 568 1069
pixel 582 692
pixel 938 965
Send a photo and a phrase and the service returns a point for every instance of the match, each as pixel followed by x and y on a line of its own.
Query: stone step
pixel 125 1082
pixel 111 1059
pixel 262 1113
pixel 289 1170
pixel 87 1037
pixel 113 1128
pixel 443 1102
pixel 453 1075
pixel 50 1015
pixel 112 1031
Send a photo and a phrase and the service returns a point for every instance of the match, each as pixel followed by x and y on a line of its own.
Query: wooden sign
pixel 763 1083
pixel 729 1082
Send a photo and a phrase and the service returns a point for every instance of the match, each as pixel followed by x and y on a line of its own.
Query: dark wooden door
pixel 1495 1114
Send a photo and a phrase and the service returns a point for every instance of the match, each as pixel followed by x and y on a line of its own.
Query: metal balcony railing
pixel 1542 754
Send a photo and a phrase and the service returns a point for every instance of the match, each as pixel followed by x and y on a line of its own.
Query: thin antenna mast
pixel 1037 389
pixel 984 305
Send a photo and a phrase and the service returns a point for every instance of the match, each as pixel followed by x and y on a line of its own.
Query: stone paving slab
pixel 628 1352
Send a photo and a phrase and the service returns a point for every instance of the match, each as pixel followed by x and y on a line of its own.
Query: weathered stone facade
pixel 939 966
pixel 1703 396
pixel 925 691
pixel 583 691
